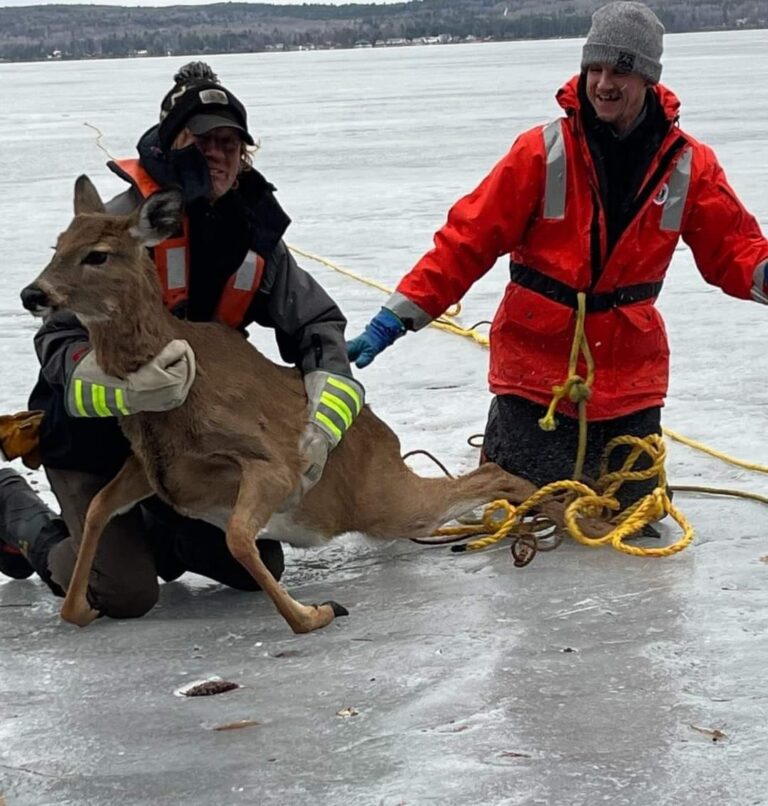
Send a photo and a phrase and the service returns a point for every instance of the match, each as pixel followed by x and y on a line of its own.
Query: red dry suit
pixel 541 205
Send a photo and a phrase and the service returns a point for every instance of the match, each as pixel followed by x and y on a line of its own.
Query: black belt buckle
pixel 623 296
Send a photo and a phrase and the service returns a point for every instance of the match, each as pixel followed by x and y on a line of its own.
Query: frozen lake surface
pixel 587 677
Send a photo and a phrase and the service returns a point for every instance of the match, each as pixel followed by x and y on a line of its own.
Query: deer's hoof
pixel 80 616
pixel 338 610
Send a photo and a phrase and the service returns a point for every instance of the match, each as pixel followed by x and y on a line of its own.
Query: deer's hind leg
pixel 127 488
pixel 263 487
pixel 491 482
pixel 517 490
pixel 414 506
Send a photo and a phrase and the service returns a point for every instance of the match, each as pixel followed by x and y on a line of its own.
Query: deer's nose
pixel 34 299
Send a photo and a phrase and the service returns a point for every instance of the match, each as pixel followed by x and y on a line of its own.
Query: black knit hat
pixel 199 102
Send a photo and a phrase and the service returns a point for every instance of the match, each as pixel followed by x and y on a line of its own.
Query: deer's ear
pixel 159 217
pixel 87 199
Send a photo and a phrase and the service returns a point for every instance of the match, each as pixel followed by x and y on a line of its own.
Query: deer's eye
pixel 95 258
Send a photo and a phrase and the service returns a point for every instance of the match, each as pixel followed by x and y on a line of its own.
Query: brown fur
pixel 233 445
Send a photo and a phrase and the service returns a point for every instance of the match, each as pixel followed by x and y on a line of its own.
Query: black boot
pixel 29 528
pixel 13 563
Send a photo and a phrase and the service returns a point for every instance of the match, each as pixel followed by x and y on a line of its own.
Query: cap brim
pixel 202 124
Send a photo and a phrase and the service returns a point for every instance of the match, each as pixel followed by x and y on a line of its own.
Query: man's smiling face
pixel 616 95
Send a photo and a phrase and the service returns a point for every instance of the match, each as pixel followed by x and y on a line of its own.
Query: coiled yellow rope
pixel 591 504
pixel 587 502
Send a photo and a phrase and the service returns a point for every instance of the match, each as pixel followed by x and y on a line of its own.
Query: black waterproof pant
pixel 514 440
pixel 150 540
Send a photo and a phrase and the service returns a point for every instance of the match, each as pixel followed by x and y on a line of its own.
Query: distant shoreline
pixel 144 54
pixel 77 32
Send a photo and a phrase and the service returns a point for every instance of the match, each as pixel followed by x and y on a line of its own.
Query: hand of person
pixel 334 403
pixel 379 334
pixel 161 384
pixel 314 447
pixel 20 437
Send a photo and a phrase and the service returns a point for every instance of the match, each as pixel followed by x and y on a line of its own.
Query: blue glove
pixel 379 333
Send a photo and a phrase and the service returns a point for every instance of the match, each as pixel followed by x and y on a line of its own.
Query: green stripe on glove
pixel 334 403
pixel 161 384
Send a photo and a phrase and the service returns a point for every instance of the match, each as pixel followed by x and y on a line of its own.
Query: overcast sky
pixel 170 2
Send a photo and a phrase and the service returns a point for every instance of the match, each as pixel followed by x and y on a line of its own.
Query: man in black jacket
pixel 228 264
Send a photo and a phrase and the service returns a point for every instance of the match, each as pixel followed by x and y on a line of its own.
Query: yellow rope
pixel 470 333
pixel 587 503
pixel 340 269
pixel 700 446
pixel 494 528
pixel 575 387
pixel 646 510
pixel 696 488
pixel 453 311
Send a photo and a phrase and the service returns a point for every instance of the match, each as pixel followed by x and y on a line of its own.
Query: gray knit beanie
pixel 628 36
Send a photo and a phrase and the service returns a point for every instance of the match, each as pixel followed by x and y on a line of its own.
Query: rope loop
pixel 587 503
pixel 590 509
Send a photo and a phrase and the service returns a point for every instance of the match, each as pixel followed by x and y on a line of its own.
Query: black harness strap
pixel 558 291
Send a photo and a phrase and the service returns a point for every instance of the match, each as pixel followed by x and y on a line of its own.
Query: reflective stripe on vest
pixel 171 258
pixel 176 262
pixel 554 190
pixel 677 185
pixel 555 186
pixel 240 290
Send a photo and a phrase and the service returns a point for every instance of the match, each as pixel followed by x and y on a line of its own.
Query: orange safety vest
pixel 171 259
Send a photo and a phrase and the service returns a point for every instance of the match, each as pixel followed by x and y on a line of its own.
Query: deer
pixel 230 453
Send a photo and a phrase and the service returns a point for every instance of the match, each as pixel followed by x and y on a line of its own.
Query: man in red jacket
pixel 593 202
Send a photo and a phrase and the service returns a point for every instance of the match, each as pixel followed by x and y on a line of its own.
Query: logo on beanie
pixel 625 61
pixel 213 97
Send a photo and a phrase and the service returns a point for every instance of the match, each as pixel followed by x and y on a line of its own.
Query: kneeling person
pixel 230 265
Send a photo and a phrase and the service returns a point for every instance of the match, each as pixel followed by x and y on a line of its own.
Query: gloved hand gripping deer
pixel 159 385
pixel 229 455
pixel 334 403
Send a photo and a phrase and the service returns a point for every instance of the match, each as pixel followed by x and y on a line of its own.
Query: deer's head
pixel 100 262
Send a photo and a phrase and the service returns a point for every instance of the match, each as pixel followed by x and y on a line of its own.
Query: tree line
pixel 87 32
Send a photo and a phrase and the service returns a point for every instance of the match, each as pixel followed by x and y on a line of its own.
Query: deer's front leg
pixel 262 488
pixel 128 487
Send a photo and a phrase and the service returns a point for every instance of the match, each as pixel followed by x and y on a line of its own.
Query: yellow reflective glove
pixel 334 403
pixel 161 384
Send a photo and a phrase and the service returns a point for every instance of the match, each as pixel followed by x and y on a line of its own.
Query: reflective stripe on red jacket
pixel 172 261
pixel 541 205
